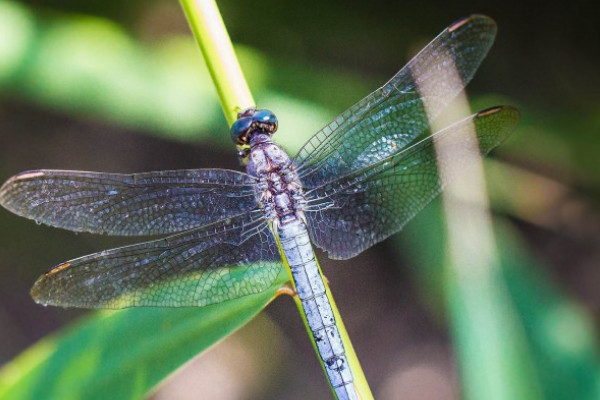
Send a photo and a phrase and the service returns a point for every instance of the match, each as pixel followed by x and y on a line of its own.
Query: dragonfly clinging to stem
pixel 354 183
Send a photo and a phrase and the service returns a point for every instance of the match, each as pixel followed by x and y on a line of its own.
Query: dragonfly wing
pixel 152 203
pixel 207 265
pixel 396 111
pixel 355 212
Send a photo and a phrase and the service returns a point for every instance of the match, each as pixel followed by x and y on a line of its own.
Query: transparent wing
pixel 217 262
pixel 353 213
pixel 150 203
pixel 396 111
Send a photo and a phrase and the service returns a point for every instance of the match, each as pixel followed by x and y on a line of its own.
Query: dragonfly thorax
pixel 278 189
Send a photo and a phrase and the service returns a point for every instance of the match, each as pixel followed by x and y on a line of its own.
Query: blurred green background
pixel 121 87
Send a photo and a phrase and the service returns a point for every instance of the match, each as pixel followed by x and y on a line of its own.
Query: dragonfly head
pixel 249 122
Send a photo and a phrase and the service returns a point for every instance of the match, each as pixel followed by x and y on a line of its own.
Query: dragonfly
pixel 357 181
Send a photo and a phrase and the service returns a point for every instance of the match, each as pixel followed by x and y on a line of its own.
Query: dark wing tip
pixel 489 111
pixel 479 19
pixel 508 111
pixel 58 268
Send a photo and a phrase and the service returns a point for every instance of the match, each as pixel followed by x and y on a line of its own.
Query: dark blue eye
pixel 252 120
pixel 239 130
pixel 265 116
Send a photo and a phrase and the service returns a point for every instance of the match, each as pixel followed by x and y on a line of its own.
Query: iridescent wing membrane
pixel 365 175
pixel 153 203
pixel 207 265
pixel 350 214
pixel 225 250
pixel 395 113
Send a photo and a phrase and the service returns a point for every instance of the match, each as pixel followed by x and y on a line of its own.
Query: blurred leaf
pixel 15 23
pixel 561 335
pixel 91 66
pixel 536 332
pixel 124 354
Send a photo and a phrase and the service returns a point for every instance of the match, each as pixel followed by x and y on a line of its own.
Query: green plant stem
pixel 209 30
pixel 210 33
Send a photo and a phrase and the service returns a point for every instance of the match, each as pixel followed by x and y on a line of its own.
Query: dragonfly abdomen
pixel 301 259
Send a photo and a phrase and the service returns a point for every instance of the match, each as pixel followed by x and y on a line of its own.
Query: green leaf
pixel 124 354
pixel 521 335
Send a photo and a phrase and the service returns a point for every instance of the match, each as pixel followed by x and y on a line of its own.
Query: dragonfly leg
pixel 286 289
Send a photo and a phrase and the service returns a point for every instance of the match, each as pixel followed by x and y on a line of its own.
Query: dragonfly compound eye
pixel 240 130
pixel 265 121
